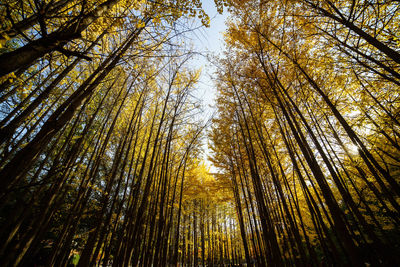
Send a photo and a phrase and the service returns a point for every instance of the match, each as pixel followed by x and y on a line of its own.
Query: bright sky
pixel 208 41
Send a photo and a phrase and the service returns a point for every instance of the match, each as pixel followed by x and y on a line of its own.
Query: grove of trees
pixel 102 135
pixel 308 130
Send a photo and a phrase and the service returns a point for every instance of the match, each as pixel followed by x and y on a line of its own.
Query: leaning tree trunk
pixel 26 55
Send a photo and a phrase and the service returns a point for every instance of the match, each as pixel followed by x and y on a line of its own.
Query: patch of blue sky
pixel 209 43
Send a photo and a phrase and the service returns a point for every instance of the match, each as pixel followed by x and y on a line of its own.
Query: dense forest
pixel 102 135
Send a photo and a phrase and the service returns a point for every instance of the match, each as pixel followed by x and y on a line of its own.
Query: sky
pixel 208 41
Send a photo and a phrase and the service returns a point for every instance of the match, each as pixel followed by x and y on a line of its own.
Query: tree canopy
pixel 102 136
